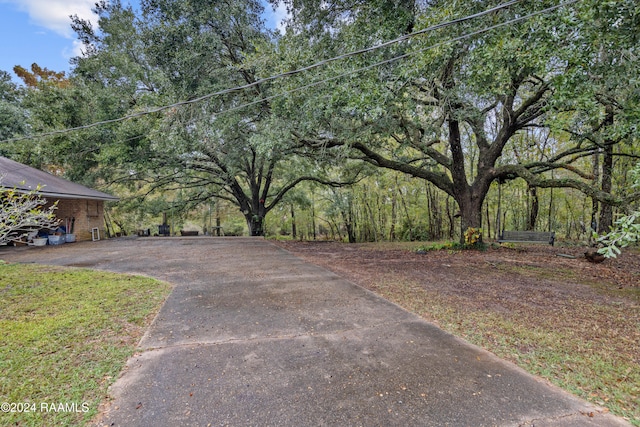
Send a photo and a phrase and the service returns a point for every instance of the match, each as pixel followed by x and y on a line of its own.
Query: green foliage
pixel 542 100
pixel 418 232
pixel 452 247
pixel 472 240
pixel 227 147
pixel 439 246
pixel 22 213
pixel 489 88
pixel 626 230
pixel 12 114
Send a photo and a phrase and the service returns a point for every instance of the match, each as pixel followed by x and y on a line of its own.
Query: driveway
pixel 253 336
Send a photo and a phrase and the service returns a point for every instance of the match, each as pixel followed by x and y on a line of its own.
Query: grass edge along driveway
pixel 66 334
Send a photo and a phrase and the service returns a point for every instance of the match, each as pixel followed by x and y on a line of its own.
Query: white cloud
pixel 54 14
pixel 275 17
pixel 281 15
pixel 73 51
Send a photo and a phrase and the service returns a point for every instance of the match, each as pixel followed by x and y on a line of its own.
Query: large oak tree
pixel 216 146
pixel 448 110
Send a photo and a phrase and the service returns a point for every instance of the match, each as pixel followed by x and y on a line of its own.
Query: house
pixel 76 202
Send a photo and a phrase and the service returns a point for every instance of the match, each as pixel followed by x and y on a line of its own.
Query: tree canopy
pixel 12 115
pixel 453 113
pixel 460 95
pixel 179 51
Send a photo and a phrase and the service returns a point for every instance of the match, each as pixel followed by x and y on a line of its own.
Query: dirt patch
pixel 513 274
pixel 545 308
pixel 527 282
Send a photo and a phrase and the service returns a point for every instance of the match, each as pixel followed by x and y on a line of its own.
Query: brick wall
pixel 88 214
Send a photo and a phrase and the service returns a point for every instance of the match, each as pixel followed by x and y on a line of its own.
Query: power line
pixel 404 56
pixel 267 79
pixel 316 65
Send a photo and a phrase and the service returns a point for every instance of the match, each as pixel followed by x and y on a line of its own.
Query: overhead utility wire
pixel 397 58
pixel 310 67
pixel 270 78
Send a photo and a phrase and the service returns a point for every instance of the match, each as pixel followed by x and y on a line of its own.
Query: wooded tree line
pixel 417 120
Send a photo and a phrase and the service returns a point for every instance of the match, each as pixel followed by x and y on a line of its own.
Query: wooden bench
pixel 527 237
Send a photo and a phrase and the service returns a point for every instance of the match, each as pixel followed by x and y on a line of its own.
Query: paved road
pixel 253 336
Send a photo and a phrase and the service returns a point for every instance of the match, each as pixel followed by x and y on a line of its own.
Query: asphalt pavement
pixel 253 336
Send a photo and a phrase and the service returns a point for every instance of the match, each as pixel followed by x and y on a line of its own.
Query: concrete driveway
pixel 253 336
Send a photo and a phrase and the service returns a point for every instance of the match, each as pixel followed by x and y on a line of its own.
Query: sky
pixel 40 31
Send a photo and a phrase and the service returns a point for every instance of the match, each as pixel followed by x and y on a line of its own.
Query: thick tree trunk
pixel 255 218
pixel 470 202
pixel 255 224
pixel 469 197
pixel 471 214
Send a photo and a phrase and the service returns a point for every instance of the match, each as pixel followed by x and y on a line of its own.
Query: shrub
pixel 23 213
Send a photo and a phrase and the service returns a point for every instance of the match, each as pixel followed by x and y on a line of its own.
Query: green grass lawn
pixel 65 335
